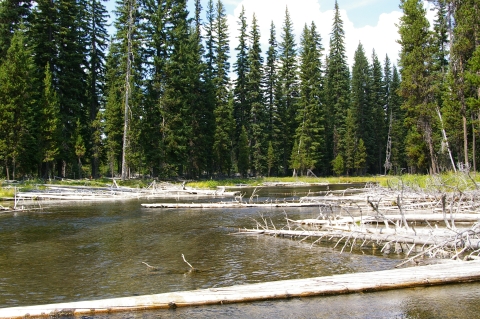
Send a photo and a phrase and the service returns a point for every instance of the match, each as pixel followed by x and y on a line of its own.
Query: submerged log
pixel 457 272
pixel 228 205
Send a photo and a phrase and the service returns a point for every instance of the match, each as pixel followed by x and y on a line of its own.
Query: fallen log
pixel 460 218
pixel 377 237
pixel 439 274
pixel 228 205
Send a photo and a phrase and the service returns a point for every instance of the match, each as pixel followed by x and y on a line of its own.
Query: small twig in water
pixel 187 262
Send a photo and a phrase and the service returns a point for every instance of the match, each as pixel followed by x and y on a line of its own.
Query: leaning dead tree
pixel 441 220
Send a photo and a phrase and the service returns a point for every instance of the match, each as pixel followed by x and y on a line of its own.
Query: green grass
pixel 442 182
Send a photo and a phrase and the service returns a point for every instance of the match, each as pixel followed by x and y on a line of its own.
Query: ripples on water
pixel 95 250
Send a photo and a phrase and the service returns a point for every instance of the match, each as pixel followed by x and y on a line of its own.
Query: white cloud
pixel 382 36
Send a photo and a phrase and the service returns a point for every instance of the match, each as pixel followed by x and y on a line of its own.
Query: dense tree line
pixel 159 97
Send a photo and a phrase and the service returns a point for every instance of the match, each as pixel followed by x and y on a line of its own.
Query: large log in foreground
pixel 457 272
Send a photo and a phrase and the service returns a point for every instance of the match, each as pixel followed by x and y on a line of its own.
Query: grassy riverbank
pixel 442 182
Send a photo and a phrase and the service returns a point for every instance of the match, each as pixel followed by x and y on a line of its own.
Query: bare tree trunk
pixel 7 170
pixel 127 89
pixel 446 139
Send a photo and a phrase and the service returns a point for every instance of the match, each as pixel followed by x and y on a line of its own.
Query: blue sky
pixel 371 22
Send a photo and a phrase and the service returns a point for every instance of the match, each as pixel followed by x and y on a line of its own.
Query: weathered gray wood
pixel 330 285
pixel 368 236
pixel 227 205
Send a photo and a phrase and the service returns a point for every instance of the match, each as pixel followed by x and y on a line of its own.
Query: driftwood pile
pixel 115 192
pixel 436 222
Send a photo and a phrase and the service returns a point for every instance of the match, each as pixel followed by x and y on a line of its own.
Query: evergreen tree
pixel 361 157
pixel 377 116
pixel 179 96
pixel 16 103
pixel 465 40
pixel 124 82
pixel 71 79
pixel 270 81
pixel 337 88
pixel 96 41
pixel 310 131
pixel 416 85
pixel 256 103
pixel 361 106
pixel 241 111
pixel 155 56
pixel 287 91
pixel 12 14
pixel 270 158
pixel 48 132
pixel 398 130
pixel 243 153
pixel 221 66
pixel 350 141
pixel 224 131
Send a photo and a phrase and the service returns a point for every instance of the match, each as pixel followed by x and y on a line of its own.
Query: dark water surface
pixel 83 251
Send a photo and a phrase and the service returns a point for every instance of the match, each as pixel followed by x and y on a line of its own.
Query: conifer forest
pixel 159 98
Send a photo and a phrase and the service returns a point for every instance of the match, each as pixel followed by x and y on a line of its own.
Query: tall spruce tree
pixel 12 14
pixel 377 116
pixel 241 111
pixel 96 42
pixel 287 91
pixel 221 69
pixel 337 88
pixel 465 40
pixel 416 86
pixel 270 81
pixel 124 92
pixel 256 103
pixel 223 137
pixel 16 106
pixel 361 106
pixel 309 135
pixel 154 29
pixel 48 135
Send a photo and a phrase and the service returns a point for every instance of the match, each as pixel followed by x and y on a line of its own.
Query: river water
pixel 95 250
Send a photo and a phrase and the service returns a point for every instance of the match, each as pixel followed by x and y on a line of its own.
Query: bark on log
pixel 330 285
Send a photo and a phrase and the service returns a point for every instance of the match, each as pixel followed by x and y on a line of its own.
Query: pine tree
pixel 12 14
pixel 350 141
pixel 287 91
pixel 97 41
pixel 178 98
pixel 241 111
pixel 361 106
pixel 337 88
pixel 16 103
pixel 361 157
pixel 155 56
pixel 465 40
pixel 310 131
pixel 224 131
pixel 124 92
pixel 243 153
pixel 416 67
pixel 48 132
pixel 399 131
pixel 255 102
pixel 221 66
pixel 378 116
pixel 271 84
pixel 71 78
